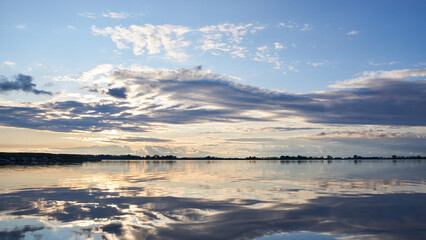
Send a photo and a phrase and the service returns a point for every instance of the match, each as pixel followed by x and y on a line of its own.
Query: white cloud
pixel 318 64
pixel 227 37
pixel 262 48
pixel 278 46
pixel 116 15
pixel 289 24
pixel 263 54
pixel 71 27
pixel 96 75
pixel 378 77
pixel 87 15
pixel 292 68
pixel 21 26
pixel 9 63
pixel 352 32
pixel 382 63
pixel 170 39
pixel 294 25
pixel 149 39
pixel 306 27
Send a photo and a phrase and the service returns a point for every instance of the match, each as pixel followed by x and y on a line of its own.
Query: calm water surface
pixel 215 200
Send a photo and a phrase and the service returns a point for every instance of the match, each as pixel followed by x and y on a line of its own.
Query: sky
pixel 218 78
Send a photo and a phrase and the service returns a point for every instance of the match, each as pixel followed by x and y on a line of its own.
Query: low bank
pixel 44 158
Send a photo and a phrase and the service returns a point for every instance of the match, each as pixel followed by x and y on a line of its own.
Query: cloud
pixel 116 15
pixel 382 63
pixel 372 143
pixel 370 134
pixel 21 26
pixel 87 15
pixel 9 63
pixel 227 38
pixel 98 75
pixel 263 54
pixel 168 150
pixel 352 32
pixel 123 207
pixel 286 129
pixel 188 96
pixel 141 139
pixel 278 46
pixel 379 102
pixel 292 68
pixel 318 64
pixel 256 140
pixel 117 92
pixel 21 83
pixel 109 149
pixel 379 77
pixel 149 39
pixel 294 25
pixel 170 39
pixel 68 116
pixel 306 27
pixel 71 27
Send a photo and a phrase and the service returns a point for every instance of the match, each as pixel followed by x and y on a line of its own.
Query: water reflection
pixel 214 200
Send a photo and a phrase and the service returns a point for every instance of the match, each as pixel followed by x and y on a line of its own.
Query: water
pixel 215 200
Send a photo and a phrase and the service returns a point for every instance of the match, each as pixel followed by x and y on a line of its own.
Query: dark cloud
pixel 199 96
pixel 252 139
pixel 21 83
pixel 286 129
pixel 277 129
pixel 70 116
pixel 384 102
pixel 117 92
pixel 141 139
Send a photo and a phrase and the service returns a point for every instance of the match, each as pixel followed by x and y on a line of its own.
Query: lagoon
pixel 223 199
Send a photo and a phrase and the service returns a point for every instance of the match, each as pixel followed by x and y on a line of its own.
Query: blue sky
pixel 213 77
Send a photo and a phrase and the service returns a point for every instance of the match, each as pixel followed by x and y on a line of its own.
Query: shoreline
pixel 44 158
pixel 55 159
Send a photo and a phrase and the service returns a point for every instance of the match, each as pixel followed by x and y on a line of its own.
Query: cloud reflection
pixel 217 200
pixel 390 216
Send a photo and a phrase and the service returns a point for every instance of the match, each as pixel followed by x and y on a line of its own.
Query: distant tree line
pixel 298 157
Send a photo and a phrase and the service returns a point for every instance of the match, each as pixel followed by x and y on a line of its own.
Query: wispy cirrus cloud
pixel 21 26
pixel 370 78
pixel 116 15
pixel 352 32
pixel 87 15
pixel 295 25
pixel 9 63
pixel 318 64
pixel 382 63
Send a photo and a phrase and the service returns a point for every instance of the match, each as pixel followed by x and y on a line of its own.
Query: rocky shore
pixel 44 158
